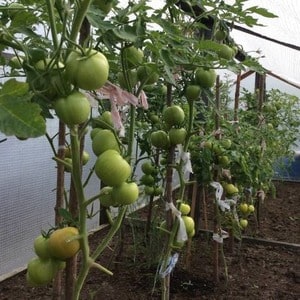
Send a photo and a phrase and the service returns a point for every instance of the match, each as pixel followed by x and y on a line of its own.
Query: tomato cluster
pixel 51 254
pixel 150 179
pixel 111 168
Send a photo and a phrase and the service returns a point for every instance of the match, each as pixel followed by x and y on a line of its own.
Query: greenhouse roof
pixel 276 43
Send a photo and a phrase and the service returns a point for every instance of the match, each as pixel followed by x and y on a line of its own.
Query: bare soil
pixel 258 268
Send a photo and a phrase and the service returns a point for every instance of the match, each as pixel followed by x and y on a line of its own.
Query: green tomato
pixel 223 160
pixel 112 168
pixel 192 92
pixel 220 35
pixel 62 243
pixel 104 140
pixel 68 167
pixel 147 74
pixel 243 223
pixel 125 193
pixel 173 115
pixel 189 224
pixel 243 207
pixel 226 143
pixel 149 190
pixel 177 136
pixel 160 139
pixel 40 271
pixel 85 157
pixel 41 248
pixel 205 78
pixel 231 189
pixel 184 208
pixel 251 208
pixel 74 109
pixel 147 179
pixel 105 197
pixel 225 52
pixel 147 167
pixel 89 71
pixel 133 56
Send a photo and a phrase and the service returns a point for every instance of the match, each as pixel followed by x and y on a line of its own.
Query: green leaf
pixel 127 34
pixel 166 57
pixel 262 11
pixel 18 116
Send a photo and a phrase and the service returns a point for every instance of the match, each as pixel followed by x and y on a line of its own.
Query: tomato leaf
pixel 18 116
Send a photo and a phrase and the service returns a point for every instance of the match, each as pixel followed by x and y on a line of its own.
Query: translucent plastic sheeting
pixel 279 59
pixel 27 196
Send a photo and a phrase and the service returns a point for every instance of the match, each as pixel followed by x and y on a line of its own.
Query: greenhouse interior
pixel 150 149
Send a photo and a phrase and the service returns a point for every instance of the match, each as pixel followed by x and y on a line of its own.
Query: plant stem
pixel 78 19
pixel 76 177
pixel 50 8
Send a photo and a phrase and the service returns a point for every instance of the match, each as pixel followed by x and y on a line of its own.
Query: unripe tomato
pixel 243 208
pixel 184 209
pixel 220 35
pixel 192 92
pixel 243 223
pixel 62 244
pixel 189 224
pixel 173 115
pixel 68 167
pixel 147 168
pixel 226 143
pixel 105 197
pixel 177 136
pixel 205 78
pixel 125 193
pixel 223 160
pixel 225 52
pixel 112 168
pixel 160 139
pixel 85 157
pixel 158 190
pixel 74 109
pixel 104 140
pixel 147 179
pixel 40 271
pixel 149 190
pixel 133 56
pixel 88 72
pixel 147 74
pixel 231 189
pixel 41 248
pixel 251 208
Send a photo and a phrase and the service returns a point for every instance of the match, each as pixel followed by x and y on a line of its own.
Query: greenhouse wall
pixel 27 184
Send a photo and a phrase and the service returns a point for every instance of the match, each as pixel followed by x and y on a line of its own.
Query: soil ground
pixel 257 268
